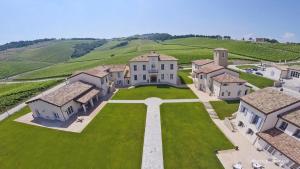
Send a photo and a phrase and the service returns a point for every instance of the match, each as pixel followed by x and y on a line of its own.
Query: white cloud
pixel 288 36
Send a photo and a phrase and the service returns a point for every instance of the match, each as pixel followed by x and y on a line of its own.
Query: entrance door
pixel 153 79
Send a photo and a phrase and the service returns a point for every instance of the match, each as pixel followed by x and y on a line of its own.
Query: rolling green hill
pixel 19 60
pixel 57 54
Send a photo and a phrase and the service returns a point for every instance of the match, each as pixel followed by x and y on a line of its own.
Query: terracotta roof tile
pixel 66 93
pixel 88 96
pixel 145 57
pixel 202 62
pixel 269 100
pixel 284 143
pixel 292 116
pixel 228 78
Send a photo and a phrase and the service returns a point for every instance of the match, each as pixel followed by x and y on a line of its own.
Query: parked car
pixel 255 69
pixel 248 71
pixel 258 73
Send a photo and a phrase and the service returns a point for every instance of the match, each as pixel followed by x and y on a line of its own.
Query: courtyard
pixel 117 136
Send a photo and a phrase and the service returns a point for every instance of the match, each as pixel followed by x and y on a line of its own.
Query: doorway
pixel 153 79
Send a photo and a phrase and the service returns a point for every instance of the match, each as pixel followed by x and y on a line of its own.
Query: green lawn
pixel 113 140
pixel 161 91
pixel 225 108
pixel 183 75
pixel 12 94
pixel 256 80
pixel 190 138
pixel 246 67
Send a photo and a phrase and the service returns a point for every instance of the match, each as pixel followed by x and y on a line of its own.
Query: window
pixel 119 74
pixel 70 110
pixel 37 113
pixel 153 66
pixel 162 76
pixel 243 109
pixel 201 76
pixel 102 81
pixel 55 115
pixel 255 119
pixel 171 66
pixel 135 77
pixel 246 92
pixel 222 94
pixel 144 67
pixel 135 67
pixel 171 76
pixel 225 84
pixel 144 77
pixel 283 125
pixel 229 93
pixel 297 133
pixel 162 67
pixel 239 93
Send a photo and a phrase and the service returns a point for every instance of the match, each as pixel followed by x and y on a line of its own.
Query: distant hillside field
pixel 18 60
pixel 57 54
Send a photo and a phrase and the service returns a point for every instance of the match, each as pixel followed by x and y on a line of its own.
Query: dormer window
pixel 297 133
pixel 283 125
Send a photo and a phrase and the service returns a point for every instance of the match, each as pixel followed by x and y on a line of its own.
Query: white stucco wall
pixel 290 130
pixel 233 88
pixel 268 121
pixel 46 110
pixel 140 72
pixel 246 120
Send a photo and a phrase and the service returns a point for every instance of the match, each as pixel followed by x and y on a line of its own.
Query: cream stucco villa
pixel 211 76
pixel 153 68
pixel 270 119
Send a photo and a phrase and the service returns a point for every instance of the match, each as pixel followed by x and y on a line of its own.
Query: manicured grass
pixel 190 138
pixel 113 140
pixel 12 94
pixel 184 76
pixel 256 80
pixel 246 67
pixel 161 91
pixel 225 108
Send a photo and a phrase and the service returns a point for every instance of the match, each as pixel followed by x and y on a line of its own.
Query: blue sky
pixel 32 19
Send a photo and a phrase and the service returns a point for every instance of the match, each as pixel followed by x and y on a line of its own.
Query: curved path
pixel 152 150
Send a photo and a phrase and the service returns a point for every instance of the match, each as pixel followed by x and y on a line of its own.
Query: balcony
pixel 153 70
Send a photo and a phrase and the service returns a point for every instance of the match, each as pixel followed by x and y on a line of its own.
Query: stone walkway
pixel 152 150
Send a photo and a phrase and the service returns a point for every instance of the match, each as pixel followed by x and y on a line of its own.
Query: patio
pixel 246 154
pixel 75 124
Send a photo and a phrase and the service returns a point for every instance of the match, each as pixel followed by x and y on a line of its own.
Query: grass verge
pixel 160 91
pixel 225 108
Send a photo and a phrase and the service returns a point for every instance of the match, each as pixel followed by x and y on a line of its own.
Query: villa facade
pixel 153 68
pixel 213 77
pixel 269 119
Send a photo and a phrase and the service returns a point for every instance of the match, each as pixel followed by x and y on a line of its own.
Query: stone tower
pixel 221 57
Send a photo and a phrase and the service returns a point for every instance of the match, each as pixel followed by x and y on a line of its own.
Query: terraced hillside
pixel 261 51
pixel 19 60
pixel 185 49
